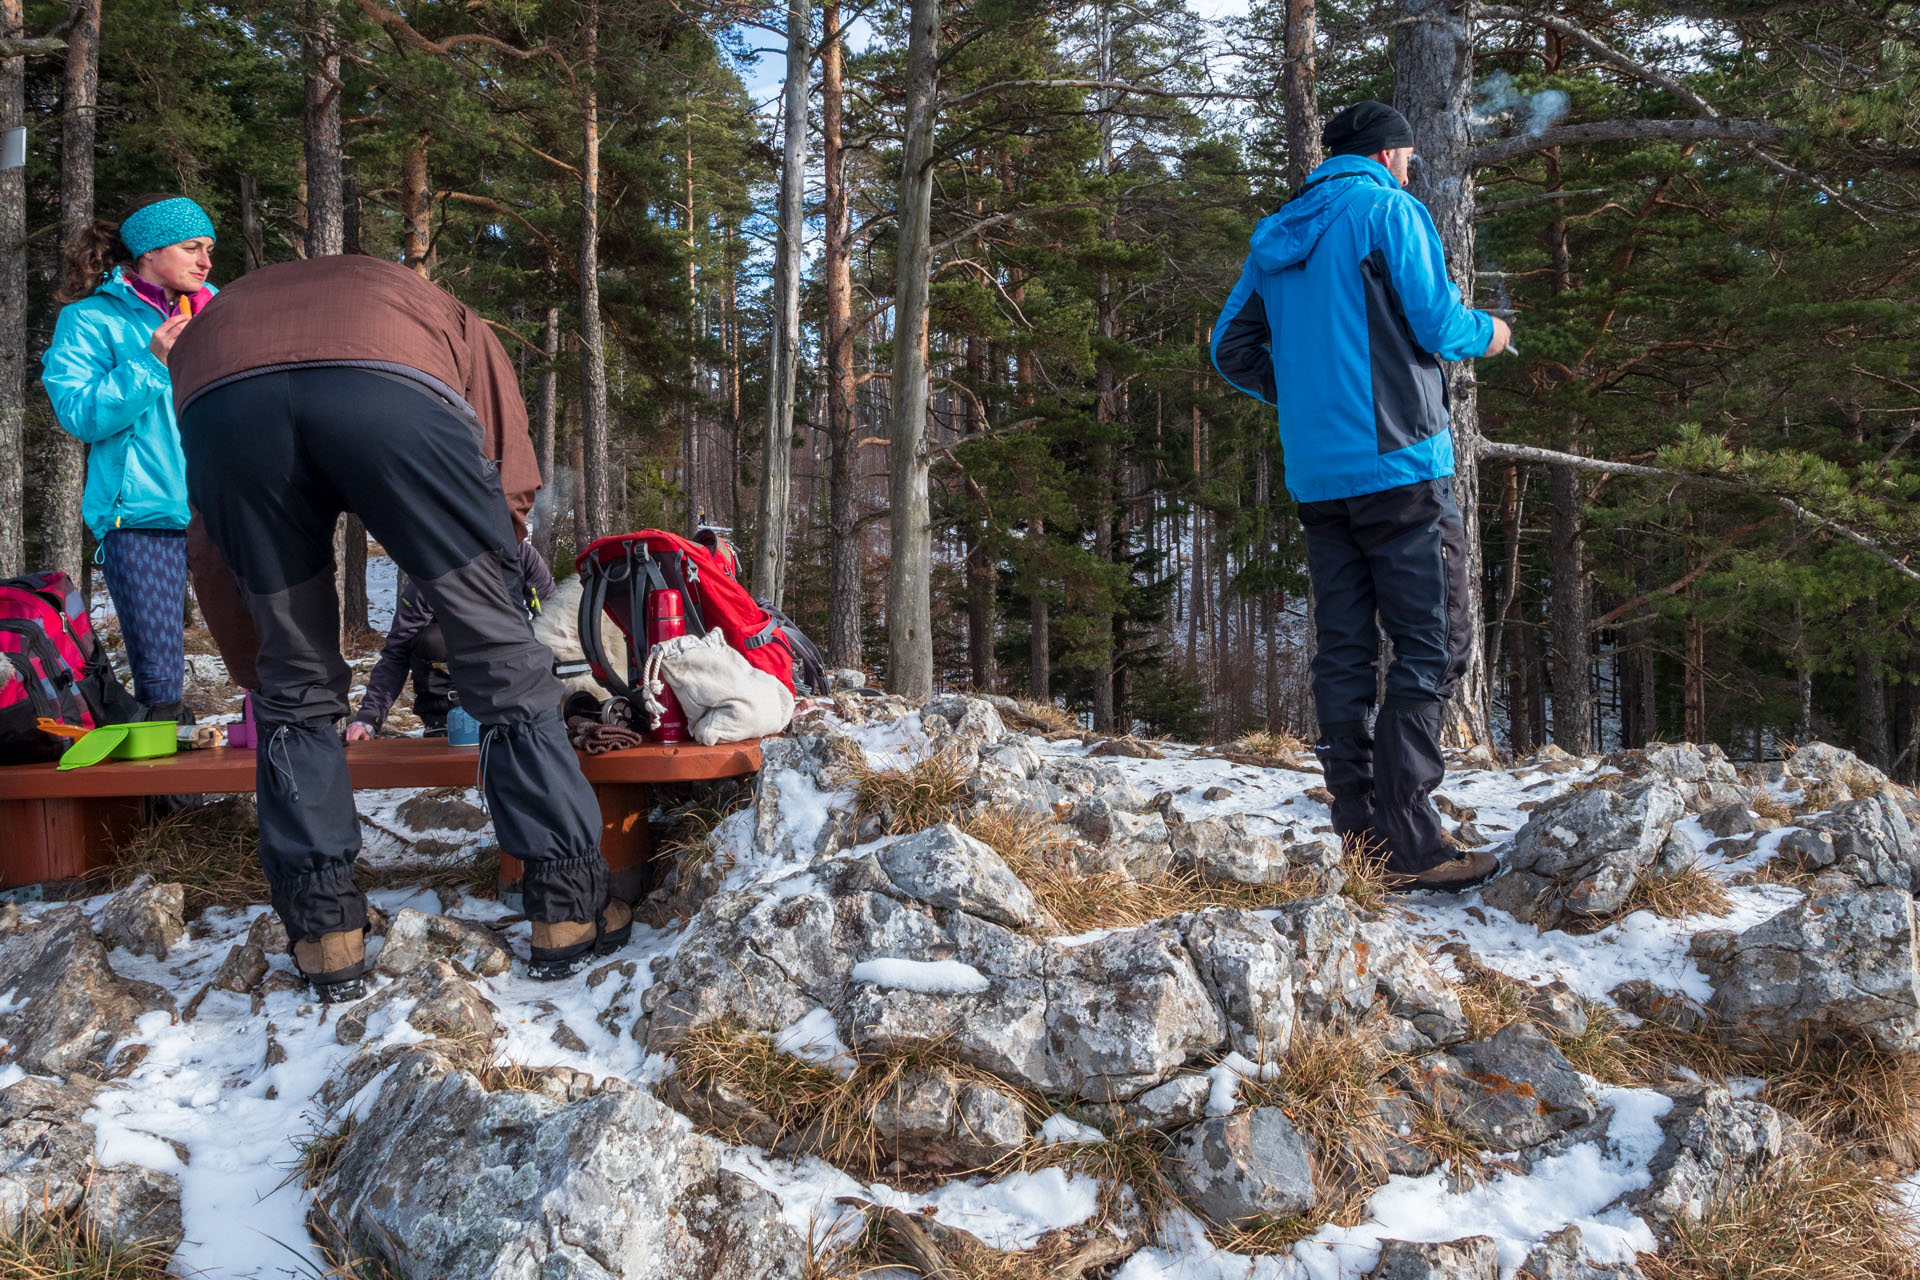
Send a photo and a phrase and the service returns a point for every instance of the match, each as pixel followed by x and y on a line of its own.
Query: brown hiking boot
pixel 1472 867
pixel 562 946
pixel 334 964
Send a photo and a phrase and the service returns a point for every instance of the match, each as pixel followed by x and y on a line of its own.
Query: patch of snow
pixel 815 1038
pixel 935 977
pixel 1060 1127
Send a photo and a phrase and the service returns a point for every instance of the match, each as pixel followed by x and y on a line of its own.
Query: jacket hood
pixel 1288 235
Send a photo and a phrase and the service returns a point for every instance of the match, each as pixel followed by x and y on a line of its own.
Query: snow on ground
pixel 223 1100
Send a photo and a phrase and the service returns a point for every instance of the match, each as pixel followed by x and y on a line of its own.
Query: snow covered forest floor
pixel 274 1115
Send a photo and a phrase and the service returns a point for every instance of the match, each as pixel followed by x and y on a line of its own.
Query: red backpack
pixel 617 573
pixel 65 674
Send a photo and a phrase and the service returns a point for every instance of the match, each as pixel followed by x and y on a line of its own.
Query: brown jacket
pixel 354 308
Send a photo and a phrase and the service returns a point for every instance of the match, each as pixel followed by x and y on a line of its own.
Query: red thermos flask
pixel 667 618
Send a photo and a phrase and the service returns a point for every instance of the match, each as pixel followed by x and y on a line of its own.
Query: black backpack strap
pixel 813 669
pixel 593 601
pixel 58 688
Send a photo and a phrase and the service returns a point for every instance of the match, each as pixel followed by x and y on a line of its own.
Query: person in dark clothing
pixel 1340 319
pixel 351 384
pixel 416 649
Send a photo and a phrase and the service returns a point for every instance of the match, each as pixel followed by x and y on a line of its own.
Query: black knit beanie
pixel 1365 128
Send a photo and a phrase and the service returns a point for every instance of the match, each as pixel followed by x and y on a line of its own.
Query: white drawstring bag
pixel 726 698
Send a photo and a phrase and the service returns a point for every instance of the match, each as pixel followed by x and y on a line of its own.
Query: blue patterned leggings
pixel 146 573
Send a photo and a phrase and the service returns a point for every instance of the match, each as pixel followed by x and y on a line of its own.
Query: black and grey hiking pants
pixel 272 461
pixel 1400 554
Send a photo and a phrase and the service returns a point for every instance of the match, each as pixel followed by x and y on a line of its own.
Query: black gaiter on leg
pixel 1346 757
pixel 309 835
pixel 1408 766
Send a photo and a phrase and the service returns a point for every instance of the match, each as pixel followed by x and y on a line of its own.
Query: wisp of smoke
pixel 1497 100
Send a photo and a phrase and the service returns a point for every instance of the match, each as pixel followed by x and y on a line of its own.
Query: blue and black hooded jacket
pixel 1340 320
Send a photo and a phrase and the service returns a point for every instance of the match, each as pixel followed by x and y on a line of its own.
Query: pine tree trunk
pixel 776 442
pixel 1300 91
pixel 325 199
pixel 1572 619
pixel 980 568
pixel 1870 680
pixel 60 522
pixel 13 308
pixel 596 481
pixel 546 417
pixel 909 575
pixel 843 506
pixel 1039 631
pixel 1433 88
pixel 252 236
pixel 416 206
pixel 690 425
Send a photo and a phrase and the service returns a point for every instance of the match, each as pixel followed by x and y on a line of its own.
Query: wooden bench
pixel 65 826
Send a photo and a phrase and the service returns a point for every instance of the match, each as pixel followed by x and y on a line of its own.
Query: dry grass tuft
pixel 1852 1095
pixel 1282 748
pixel 1131 1165
pixel 1040 852
pixel 67 1248
pixel 1457 1152
pixel 1770 806
pixel 1822 1218
pixel 1491 1000
pixel 475 873
pixel 690 843
pixel 1043 716
pixel 211 849
pixel 318 1151
pixel 1692 890
pixel 1367 887
pixel 1604 1050
pixel 924 794
pixel 833 1116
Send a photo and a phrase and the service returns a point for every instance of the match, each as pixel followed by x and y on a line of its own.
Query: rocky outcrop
pixel 1580 855
pixel 1471 1258
pixel 1511 1091
pixel 945 867
pixel 67 1007
pixel 414 937
pixel 48 1171
pixel 1837 964
pixel 1870 841
pixel 1346 962
pixel 434 997
pixel 1246 850
pixel 444 1181
pixel 1562 1256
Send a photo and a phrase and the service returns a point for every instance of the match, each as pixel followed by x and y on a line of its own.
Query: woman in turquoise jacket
pixel 130 287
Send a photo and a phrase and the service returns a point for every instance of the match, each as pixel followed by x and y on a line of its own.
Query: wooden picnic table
pixel 66 825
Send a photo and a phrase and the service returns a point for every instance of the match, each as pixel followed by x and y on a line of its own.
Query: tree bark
pixel 910 572
pixel 1433 88
pixel 1302 97
pixel 253 241
pixel 60 522
pixel 596 482
pixel 843 508
pixel 1571 622
pixel 13 307
pixel 690 423
pixel 1876 736
pixel 980 563
pixel 416 206
pixel 546 418
pixel 325 199
pixel 776 442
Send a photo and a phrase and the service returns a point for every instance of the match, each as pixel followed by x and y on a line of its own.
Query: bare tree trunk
pixel 596 482
pixel 1876 737
pixel 980 564
pixel 253 240
pixel 577 446
pixel 1433 88
pixel 547 416
pixel 13 307
pixel 60 522
pixel 776 443
pixel 910 573
pixel 1297 83
pixel 325 199
pixel 416 205
pixel 1571 623
pixel 843 508
pixel 690 425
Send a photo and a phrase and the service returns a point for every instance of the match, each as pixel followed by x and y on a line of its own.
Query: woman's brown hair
pixel 95 250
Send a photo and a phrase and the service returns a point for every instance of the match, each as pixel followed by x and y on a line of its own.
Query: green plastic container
pixel 146 740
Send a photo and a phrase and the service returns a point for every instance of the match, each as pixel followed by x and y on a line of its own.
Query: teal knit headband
pixel 162 223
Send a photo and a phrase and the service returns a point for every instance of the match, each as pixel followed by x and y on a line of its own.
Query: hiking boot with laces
pixel 334 965
pixel 1472 867
pixel 561 947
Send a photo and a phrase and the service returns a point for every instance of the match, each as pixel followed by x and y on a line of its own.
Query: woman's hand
pixel 165 336
pixel 357 731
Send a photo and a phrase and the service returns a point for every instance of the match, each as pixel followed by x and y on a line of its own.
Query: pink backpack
pixel 64 672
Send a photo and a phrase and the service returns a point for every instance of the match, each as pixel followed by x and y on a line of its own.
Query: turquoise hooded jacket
pixel 109 392
pixel 1340 320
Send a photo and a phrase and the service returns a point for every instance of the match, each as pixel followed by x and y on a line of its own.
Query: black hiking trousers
pixel 272 461
pixel 1400 555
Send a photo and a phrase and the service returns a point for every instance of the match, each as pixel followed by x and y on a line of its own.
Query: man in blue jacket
pixel 1340 320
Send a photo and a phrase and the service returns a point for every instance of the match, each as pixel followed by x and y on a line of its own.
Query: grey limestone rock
pixel 68 1006
pixel 243 968
pixel 1249 970
pixel 47 1169
pixel 1511 1091
pixel 1581 854
pixel 1715 1146
pixel 1248 1165
pixel 433 997
pixel 145 918
pixel 1871 841
pixel 1562 1256
pixel 444 1181
pixel 1180 1101
pixel 415 937
pixel 1126 1011
pixel 793 769
pixel 1834 964
pixel 1731 819
pixel 973 720
pixel 1345 961
pixel 1248 850
pixel 943 866
pixel 1471 1258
